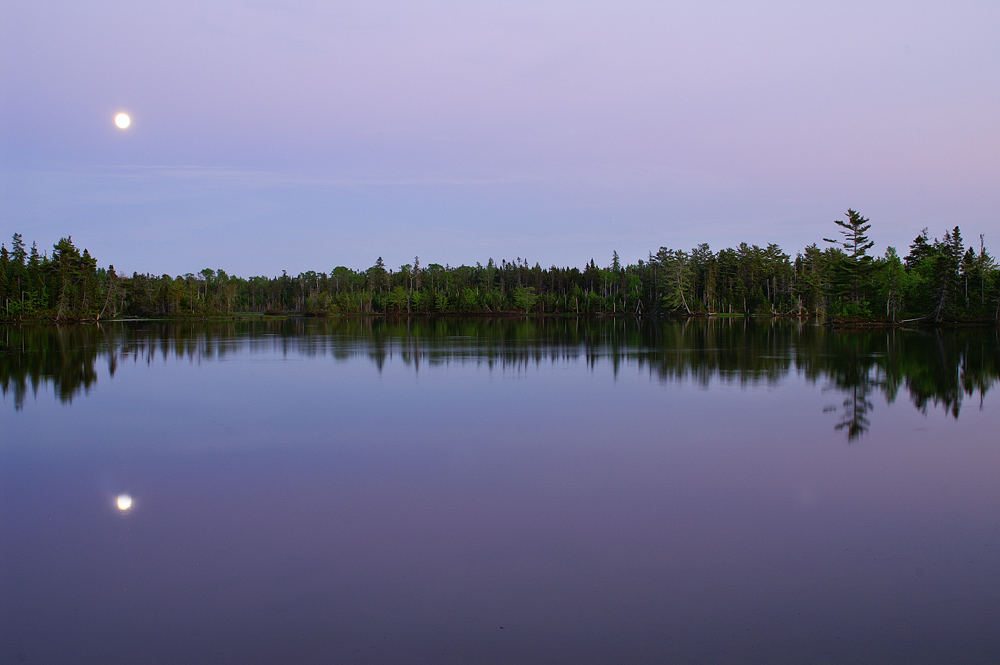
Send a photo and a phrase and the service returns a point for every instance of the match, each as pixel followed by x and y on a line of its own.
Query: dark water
pixel 498 492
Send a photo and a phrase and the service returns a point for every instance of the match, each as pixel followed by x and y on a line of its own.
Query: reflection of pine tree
pixel 856 408
pixel 851 360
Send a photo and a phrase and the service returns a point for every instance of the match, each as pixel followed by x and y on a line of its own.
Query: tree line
pixel 938 280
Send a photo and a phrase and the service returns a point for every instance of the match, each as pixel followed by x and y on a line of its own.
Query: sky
pixel 302 135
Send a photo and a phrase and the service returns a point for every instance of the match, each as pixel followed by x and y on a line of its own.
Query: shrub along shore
pixel 938 281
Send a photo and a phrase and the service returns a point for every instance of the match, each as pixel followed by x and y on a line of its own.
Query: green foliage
pixel 852 268
pixel 525 298
pixel 938 280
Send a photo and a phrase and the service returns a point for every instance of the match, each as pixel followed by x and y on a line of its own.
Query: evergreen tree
pixel 17 253
pixel 920 249
pixel 856 266
pixel 4 282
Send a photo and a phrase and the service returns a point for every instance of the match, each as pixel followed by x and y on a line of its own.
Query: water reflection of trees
pixel 935 367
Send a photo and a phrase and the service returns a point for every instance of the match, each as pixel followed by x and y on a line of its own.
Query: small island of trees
pixel 939 280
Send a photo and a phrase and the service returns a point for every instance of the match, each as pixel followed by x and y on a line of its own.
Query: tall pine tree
pixel 853 271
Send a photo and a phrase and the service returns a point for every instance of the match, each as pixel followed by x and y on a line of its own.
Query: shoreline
pixel 838 324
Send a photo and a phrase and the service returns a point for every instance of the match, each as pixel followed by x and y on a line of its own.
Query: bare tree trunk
pixel 680 288
pixel 940 305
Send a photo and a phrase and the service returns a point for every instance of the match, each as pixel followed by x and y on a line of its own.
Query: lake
pixel 498 491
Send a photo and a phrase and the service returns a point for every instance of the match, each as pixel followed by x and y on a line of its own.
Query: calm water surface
pixel 498 492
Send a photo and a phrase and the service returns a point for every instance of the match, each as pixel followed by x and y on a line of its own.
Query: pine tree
pixel 17 253
pixel 856 266
pixel 920 249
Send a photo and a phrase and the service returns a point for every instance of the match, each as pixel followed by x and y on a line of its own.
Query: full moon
pixel 122 120
pixel 124 502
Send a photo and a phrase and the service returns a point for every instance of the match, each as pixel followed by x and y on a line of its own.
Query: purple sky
pixel 303 135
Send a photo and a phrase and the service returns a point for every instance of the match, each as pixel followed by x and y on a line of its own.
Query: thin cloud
pixel 278 178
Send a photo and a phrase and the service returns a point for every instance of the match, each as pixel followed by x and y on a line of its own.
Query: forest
pixel 939 280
